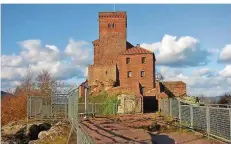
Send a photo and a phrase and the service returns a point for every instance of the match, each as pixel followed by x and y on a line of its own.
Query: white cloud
pixel 181 52
pixel 79 52
pixel 13 73
pixel 225 55
pixel 226 72
pixel 198 82
pixel 229 81
pixel 9 84
pixel 58 69
pixel 11 60
pixel 202 72
pixel 47 57
pixel 86 72
pixel 32 51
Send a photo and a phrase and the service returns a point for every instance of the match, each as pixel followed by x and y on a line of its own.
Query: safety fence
pixel 75 109
pixel 67 107
pixel 47 107
pixel 215 121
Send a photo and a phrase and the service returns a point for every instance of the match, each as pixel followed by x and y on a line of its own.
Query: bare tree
pixel 225 99
pixel 27 83
pixel 10 90
pixel 159 77
pixel 46 83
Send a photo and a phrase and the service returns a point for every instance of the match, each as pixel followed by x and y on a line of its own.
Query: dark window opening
pixel 142 73
pixel 142 90
pixel 129 74
pixel 143 60
pixel 106 72
pixel 128 60
pixel 111 25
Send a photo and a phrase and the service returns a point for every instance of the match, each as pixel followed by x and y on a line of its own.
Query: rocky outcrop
pixel 20 132
pixel 34 130
pixel 60 129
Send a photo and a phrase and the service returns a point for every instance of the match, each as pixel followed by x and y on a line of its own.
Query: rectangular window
pixel 143 60
pixel 128 60
pixel 142 73
pixel 142 90
pixel 129 74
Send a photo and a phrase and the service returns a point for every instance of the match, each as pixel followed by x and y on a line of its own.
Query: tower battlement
pixel 121 14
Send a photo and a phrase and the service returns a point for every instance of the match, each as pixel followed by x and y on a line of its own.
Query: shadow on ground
pixel 161 139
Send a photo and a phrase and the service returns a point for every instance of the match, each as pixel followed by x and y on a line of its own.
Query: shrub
pixel 107 102
pixel 13 108
pixel 225 98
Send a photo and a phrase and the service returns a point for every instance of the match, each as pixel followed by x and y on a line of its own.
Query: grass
pixel 57 140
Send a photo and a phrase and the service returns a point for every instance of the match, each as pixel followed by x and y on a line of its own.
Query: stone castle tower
pixel 111 42
pixel 112 52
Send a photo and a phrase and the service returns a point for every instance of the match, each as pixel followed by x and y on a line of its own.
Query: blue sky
pixel 57 25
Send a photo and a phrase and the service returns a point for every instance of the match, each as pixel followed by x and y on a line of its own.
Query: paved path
pixel 104 131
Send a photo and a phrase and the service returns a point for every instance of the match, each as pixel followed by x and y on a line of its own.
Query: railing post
pixel 208 120
pixel 30 107
pixel 230 122
pixel 179 106
pixel 51 107
pixel 170 107
pixel 191 116
pixel 164 106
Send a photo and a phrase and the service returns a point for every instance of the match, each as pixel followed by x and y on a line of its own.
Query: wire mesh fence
pixel 67 107
pixel 215 121
pixel 75 109
pixel 47 107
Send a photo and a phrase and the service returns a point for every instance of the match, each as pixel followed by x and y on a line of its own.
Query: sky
pixel 191 43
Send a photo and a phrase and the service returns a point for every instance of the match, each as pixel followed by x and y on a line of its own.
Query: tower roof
pixel 136 50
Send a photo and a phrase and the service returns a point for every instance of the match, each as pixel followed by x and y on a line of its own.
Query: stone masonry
pixel 111 54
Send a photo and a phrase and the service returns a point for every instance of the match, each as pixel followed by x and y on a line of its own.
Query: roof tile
pixel 136 50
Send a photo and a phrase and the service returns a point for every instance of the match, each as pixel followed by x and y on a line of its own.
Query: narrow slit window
pixel 142 90
pixel 128 60
pixel 111 25
pixel 142 73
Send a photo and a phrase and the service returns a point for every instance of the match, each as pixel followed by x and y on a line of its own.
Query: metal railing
pixel 67 107
pixel 73 116
pixel 215 121
pixel 47 107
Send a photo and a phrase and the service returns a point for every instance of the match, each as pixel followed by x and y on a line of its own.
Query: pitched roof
pixel 136 50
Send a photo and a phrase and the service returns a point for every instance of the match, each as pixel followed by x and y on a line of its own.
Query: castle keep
pixel 117 60
pixel 122 67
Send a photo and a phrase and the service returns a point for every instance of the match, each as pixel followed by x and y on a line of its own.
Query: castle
pixel 117 60
pixel 123 66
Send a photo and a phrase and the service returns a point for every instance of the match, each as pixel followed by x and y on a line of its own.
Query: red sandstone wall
pixel 178 89
pixel 111 42
pixel 136 66
pixel 101 73
pixel 117 18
